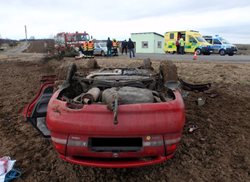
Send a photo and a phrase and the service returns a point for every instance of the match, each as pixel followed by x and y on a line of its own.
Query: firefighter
pixel 115 47
pixel 85 48
pixel 91 48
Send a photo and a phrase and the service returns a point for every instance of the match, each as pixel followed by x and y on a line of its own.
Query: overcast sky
pixel 118 18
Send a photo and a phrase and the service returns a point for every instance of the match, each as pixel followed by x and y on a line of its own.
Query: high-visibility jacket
pixel 90 46
pixel 115 44
pixel 85 46
pixel 181 42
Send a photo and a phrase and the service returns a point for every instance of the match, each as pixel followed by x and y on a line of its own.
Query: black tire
pixel 71 71
pixel 198 51
pixel 222 52
pixel 168 71
pixel 147 64
pixel 231 54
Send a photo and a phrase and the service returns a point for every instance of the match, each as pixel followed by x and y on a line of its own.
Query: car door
pixel 191 44
pixel 35 112
pixel 216 45
pixel 97 50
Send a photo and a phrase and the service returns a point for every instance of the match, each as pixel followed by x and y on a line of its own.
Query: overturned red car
pixel 110 117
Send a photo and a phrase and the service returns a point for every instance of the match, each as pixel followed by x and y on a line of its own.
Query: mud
pixel 217 151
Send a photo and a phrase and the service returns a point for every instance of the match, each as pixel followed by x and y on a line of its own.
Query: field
pixel 217 151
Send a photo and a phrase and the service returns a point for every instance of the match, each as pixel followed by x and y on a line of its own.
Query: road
pixel 189 57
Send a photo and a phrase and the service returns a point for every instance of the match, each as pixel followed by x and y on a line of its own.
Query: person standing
pixel 85 47
pixel 109 47
pixel 131 48
pixel 182 44
pixel 91 48
pixel 125 46
pixel 177 46
pixel 115 47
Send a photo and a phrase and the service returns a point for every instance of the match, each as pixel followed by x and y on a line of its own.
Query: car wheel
pixel 102 53
pixel 147 64
pixel 168 71
pixel 222 52
pixel 72 69
pixel 198 51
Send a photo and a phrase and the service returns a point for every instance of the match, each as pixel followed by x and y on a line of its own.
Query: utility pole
pixel 25 32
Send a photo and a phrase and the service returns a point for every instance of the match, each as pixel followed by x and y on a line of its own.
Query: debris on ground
pixel 192 128
pixel 6 169
pixel 200 101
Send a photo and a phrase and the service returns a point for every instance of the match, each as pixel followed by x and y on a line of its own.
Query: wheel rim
pixel 222 52
pixel 198 51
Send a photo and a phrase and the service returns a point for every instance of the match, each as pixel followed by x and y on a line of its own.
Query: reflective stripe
pixel 172 141
pixel 59 140
pixel 152 143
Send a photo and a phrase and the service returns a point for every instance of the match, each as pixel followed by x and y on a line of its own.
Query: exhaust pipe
pixel 89 97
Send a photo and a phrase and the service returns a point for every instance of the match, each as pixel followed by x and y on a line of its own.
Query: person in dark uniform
pixel 109 47
pixel 131 47
pixel 125 47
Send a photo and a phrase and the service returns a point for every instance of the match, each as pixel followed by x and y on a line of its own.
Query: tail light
pixel 171 143
pixel 59 142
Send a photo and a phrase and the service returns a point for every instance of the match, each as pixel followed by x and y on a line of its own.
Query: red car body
pixel 147 133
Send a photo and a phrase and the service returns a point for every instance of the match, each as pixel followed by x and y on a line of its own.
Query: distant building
pixel 148 42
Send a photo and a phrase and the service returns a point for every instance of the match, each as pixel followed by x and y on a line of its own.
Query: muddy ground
pixel 219 150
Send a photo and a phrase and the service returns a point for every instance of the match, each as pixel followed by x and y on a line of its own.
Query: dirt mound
pixel 217 151
pixel 243 49
pixel 41 46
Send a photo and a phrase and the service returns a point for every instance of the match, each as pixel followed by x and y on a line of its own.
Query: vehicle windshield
pixel 82 37
pixel 200 39
pixel 224 41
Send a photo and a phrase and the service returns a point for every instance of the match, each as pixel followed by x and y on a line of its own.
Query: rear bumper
pixel 116 164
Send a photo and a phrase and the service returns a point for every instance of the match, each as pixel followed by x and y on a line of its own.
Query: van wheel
pixel 222 52
pixel 198 51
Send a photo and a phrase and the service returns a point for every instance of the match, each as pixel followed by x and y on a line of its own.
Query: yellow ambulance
pixel 193 42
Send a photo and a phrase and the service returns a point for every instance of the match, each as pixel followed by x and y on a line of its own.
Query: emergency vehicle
pixel 194 42
pixel 66 43
pixel 221 45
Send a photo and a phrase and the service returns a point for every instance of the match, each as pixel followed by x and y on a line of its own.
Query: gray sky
pixel 117 19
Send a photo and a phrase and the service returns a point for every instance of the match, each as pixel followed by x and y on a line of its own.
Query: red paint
pixel 165 119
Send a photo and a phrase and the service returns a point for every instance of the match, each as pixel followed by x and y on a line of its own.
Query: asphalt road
pixel 189 57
